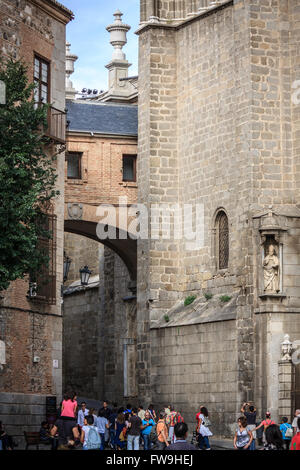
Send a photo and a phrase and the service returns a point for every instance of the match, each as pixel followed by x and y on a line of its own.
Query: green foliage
pixel 225 298
pixel 189 300
pixel 167 319
pixel 27 177
pixel 208 295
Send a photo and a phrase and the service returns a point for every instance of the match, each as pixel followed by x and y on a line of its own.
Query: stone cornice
pixel 183 23
pixel 55 9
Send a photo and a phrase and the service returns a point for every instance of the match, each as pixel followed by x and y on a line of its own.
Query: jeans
pixel 252 445
pixel 287 443
pixel 204 441
pixel 112 435
pixel 102 436
pixel 133 440
pixel 146 439
pixel 171 434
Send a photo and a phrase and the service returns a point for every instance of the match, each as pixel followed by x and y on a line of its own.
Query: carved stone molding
pixel 75 211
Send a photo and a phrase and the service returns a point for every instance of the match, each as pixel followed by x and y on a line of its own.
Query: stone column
pixel 286 372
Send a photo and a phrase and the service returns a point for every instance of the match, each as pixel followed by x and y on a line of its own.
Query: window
pixel 222 240
pixel 42 80
pixel 42 285
pixel 74 165
pixel 129 167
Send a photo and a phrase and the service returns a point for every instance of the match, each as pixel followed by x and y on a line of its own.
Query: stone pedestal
pixel 286 380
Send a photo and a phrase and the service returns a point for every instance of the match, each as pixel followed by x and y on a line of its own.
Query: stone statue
pixel 271 271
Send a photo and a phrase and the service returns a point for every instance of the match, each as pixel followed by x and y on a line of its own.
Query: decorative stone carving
pixel 271 271
pixel 286 348
pixel 75 211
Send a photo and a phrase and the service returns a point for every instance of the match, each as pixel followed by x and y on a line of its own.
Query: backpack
pixel 288 432
pixel 206 422
pixel 93 441
pixel 172 419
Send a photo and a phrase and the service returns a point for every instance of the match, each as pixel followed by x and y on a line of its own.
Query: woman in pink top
pixel 69 406
pixel 265 423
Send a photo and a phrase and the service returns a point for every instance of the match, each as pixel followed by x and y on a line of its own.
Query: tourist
pixel 134 431
pixel 167 409
pixel 273 437
pixel 102 425
pixel 162 432
pixel 69 406
pixel 119 426
pixel 295 444
pixel 45 435
pixel 92 412
pixel 171 421
pixel 181 434
pixel 146 427
pixel 90 437
pixel 141 412
pixel 251 421
pixel 128 409
pixel 287 432
pixel 243 437
pixel 152 412
pixel 294 423
pixel 6 441
pixel 265 424
pixel 203 428
pixel 106 413
pixel 112 421
pixel 68 435
pixel 81 415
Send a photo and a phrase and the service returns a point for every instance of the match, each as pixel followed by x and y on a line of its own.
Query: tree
pixel 27 177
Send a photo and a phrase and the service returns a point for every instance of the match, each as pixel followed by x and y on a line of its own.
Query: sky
pixel 90 40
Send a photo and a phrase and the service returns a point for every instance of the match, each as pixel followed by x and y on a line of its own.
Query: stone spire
pixel 118 66
pixel 70 60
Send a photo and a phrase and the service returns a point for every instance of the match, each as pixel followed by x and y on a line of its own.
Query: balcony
pixel 56 125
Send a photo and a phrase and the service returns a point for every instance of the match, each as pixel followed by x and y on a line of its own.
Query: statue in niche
pixel 271 271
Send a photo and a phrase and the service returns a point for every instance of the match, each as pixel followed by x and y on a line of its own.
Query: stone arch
pixel 124 247
pixel 83 219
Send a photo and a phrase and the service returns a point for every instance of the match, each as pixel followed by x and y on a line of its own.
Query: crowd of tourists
pixel 130 428
pixel 284 436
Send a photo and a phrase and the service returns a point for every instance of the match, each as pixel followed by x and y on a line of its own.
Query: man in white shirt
pixel 81 414
pixel 294 423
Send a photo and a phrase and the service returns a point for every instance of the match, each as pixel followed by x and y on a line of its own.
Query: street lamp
pixel 67 262
pixel 84 275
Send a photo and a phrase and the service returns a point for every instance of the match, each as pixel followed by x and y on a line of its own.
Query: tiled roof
pixel 102 118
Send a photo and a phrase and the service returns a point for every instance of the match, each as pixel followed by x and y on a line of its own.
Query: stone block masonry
pixel 217 126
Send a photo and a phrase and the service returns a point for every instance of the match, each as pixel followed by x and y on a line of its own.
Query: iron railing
pixel 56 129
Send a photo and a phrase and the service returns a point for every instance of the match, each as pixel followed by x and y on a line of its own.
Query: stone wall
pixel 193 365
pixel 83 251
pixel 217 126
pixel 22 412
pixel 98 322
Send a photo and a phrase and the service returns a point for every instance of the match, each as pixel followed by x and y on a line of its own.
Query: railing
pixel 56 125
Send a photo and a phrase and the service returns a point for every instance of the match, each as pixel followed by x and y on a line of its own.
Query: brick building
pixel 30 319
pixel 101 167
